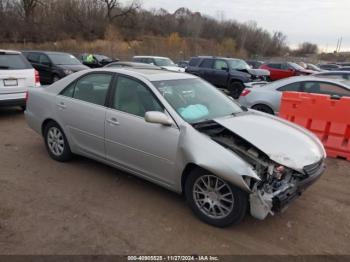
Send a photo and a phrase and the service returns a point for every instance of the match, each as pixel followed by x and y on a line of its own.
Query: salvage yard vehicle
pixel 282 70
pixel 180 132
pixel 267 98
pixel 16 76
pixel 341 75
pixel 52 66
pixel 124 64
pixel 163 62
pixel 226 73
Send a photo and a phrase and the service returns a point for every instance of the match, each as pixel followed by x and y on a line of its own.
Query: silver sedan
pixel 180 132
pixel 267 98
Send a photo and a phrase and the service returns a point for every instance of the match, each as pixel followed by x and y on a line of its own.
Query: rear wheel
pixel 263 108
pixel 56 143
pixel 23 108
pixel 235 89
pixel 215 201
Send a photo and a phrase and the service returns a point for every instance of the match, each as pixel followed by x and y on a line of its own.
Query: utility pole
pixel 340 43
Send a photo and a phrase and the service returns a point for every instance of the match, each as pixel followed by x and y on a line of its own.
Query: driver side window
pixel 220 65
pixel 134 98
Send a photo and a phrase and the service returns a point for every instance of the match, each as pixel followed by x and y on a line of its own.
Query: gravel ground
pixel 84 207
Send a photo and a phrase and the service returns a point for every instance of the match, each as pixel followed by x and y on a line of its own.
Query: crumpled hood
pixel 284 142
pixel 259 72
pixel 174 68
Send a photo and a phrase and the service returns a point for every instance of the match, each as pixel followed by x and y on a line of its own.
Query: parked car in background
pixel 280 70
pixel 342 64
pixel 255 64
pixel 163 62
pixel 345 68
pixel 16 76
pixel 183 63
pixel 52 66
pixel 267 98
pixel 313 67
pixel 180 132
pixel 341 75
pixel 330 67
pixel 225 73
pixel 95 60
pixel 132 65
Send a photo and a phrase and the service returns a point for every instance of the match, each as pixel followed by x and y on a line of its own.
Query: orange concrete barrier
pixel 328 118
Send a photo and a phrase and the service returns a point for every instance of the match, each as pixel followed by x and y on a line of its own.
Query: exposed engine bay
pixel 278 184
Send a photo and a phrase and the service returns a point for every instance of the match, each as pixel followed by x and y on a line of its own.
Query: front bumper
pixel 284 199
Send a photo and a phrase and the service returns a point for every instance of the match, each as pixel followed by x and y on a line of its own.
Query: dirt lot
pixel 84 207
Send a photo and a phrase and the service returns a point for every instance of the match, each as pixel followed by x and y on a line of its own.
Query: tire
pixel 263 108
pixel 23 108
pixel 204 204
pixel 56 143
pixel 235 89
pixel 55 78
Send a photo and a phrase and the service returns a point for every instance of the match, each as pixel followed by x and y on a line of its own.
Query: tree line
pixel 187 32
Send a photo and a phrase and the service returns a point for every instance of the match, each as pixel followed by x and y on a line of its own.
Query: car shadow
pixel 9 112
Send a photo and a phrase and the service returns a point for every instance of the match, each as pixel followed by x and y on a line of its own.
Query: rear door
pixel 220 74
pixel 205 69
pixel 81 110
pixel 46 68
pixel 279 71
pixel 16 74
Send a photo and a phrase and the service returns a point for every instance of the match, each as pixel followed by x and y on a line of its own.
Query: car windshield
pixel 64 59
pixel 163 62
pixel 13 62
pixel 196 100
pixel 238 64
pixel 296 66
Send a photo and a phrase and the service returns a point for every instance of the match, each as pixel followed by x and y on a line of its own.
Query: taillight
pixel 245 92
pixel 37 78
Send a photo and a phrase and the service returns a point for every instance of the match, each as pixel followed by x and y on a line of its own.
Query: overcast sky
pixel 318 21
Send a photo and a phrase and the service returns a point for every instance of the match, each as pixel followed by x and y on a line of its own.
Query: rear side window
pixel 325 88
pixel 294 87
pixel 206 63
pixel 13 62
pixel 91 88
pixel 275 66
pixel 194 61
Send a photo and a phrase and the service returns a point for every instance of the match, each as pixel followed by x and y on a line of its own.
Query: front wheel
pixel 235 89
pixel 215 201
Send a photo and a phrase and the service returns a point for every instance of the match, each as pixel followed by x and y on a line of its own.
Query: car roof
pixel 294 79
pixel 216 57
pixel 145 56
pixel 150 74
pixel 45 52
pixel 133 64
pixel 333 73
pixel 11 52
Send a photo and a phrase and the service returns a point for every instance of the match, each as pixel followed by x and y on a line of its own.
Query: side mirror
pixel 155 117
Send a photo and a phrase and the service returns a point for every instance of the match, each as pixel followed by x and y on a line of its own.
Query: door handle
pixel 61 105
pixel 113 121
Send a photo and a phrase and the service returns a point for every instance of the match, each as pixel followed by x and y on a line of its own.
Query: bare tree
pixel 115 9
pixel 27 8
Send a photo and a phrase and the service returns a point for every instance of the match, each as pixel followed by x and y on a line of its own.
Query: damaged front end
pixel 278 185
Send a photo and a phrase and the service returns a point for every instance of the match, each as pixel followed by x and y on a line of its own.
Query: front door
pixel 147 149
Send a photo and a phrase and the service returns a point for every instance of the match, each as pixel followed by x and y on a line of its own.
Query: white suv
pixel 16 76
